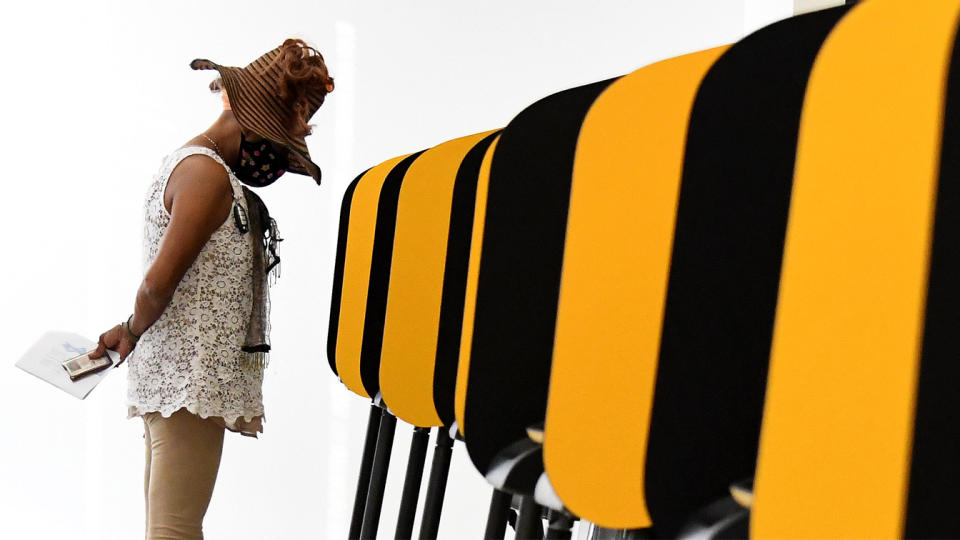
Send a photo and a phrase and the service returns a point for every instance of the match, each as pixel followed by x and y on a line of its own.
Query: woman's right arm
pixel 199 198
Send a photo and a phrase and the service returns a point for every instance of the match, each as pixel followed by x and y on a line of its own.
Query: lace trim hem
pixel 246 423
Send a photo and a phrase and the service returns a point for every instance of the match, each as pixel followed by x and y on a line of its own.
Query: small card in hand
pixel 82 365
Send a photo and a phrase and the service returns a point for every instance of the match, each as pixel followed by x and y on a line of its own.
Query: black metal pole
pixel 497 518
pixel 411 483
pixel 366 463
pixel 529 525
pixel 378 476
pixel 437 485
pixel 559 525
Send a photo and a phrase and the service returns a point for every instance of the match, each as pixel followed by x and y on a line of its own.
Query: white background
pixel 95 92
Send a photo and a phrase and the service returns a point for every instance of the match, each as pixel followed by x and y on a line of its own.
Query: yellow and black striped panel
pixel 853 319
pixel 470 298
pixel 623 201
pixel 519 275
pixel 337 293
pixel 412 319
pixel 725 268
pixel 381 259
pixel 356 274
pixel 455 279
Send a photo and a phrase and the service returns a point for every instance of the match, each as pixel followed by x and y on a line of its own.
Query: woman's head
pixel 302 71
pixel 275 96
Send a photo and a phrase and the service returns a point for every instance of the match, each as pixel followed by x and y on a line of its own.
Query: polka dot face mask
pixel 260 165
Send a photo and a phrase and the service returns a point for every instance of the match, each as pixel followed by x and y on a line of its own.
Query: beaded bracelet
pixel 126 326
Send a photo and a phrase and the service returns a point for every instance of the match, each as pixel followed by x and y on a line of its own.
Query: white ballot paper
pixel 45 357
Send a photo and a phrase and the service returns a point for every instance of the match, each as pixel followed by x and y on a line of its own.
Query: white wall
pixel 96 92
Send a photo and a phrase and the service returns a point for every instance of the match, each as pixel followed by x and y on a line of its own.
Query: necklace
pixel 214 143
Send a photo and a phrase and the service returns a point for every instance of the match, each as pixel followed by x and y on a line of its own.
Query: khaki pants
pixel 183 456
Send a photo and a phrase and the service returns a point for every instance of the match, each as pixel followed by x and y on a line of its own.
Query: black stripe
pixel 725 268
pixel 933 498
pixel 519 278
pixel 341 257
pixel 376 309
pixel 455 279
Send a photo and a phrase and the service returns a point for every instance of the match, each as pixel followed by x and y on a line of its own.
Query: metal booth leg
pixel 411 484
pixel 437 485
pixel 497 518
pixel 529 525
pixel 366 463
pixel 378 476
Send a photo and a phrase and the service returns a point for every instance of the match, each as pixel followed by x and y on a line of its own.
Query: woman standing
pixel 199 333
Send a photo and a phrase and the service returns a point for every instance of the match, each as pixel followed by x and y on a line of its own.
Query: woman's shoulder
pixel 171 159
pixel 198 160
pixel 189 150
pixel 193 172
pixel 198 173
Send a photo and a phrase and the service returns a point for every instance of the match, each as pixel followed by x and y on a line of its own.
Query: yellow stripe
pixel 356 273
pixel 416 282
pixel 473 273
pixel 838 420
pixel 623 202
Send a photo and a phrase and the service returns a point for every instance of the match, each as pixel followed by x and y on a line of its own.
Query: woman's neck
pixel 225 131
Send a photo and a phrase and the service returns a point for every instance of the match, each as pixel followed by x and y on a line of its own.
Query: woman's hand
pixel 116 339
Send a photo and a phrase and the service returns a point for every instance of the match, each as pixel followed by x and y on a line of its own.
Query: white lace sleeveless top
pixel 190 357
